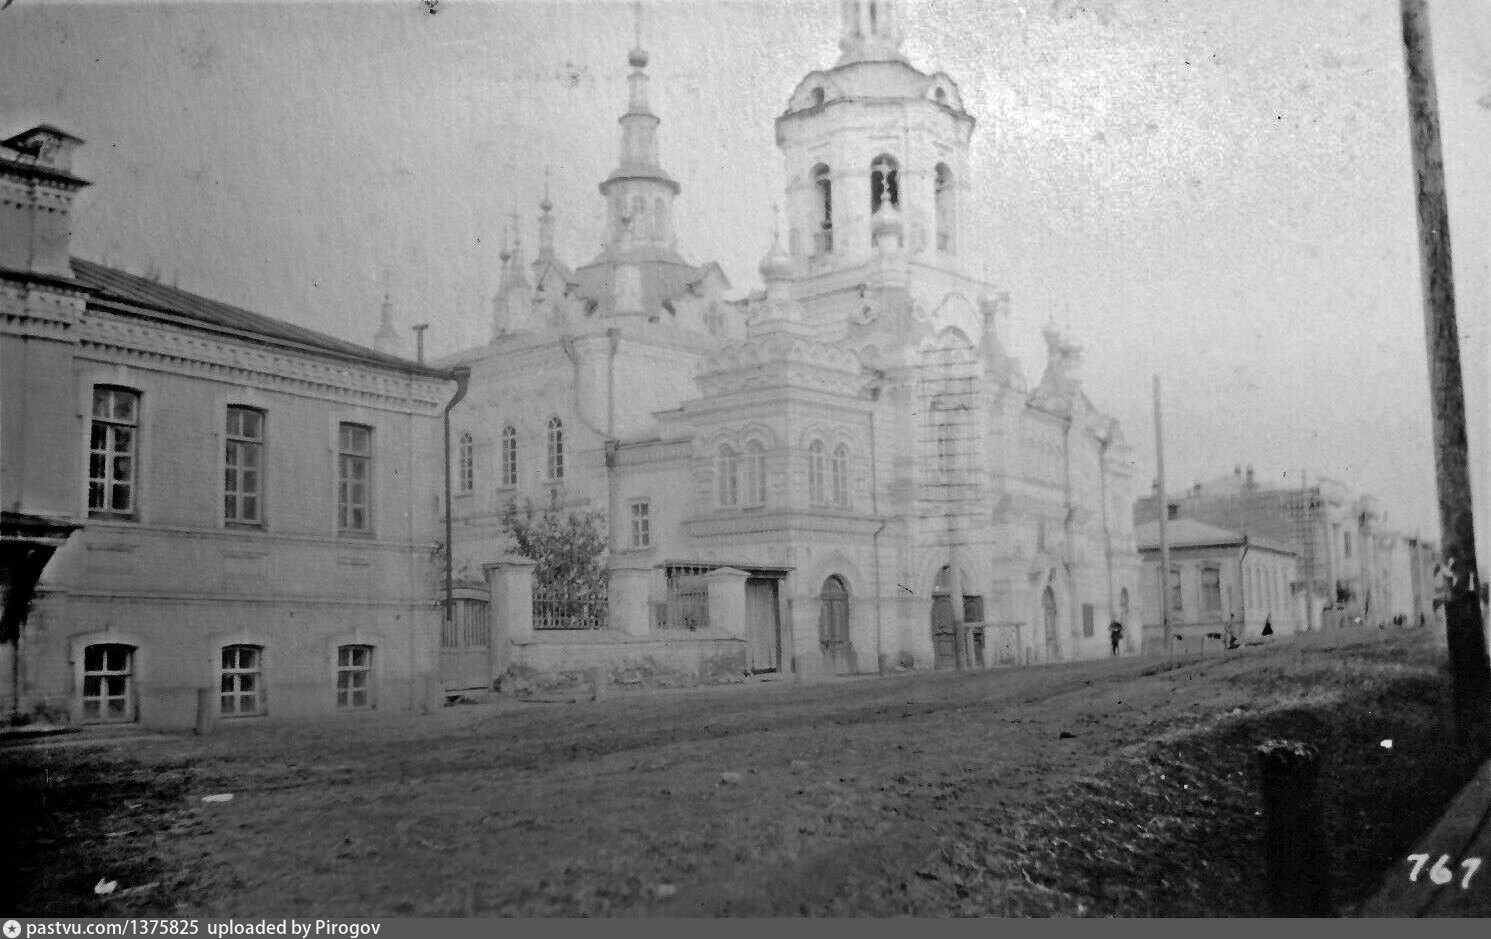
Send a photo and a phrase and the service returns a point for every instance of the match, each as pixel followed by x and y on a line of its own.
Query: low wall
pixel 561 662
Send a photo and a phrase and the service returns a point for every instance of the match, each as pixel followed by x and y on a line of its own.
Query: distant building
pixel 1220 583
pixel 194 496
pixel 1351 569
pixel 853 444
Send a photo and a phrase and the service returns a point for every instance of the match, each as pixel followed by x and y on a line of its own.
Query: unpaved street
pixel 905 794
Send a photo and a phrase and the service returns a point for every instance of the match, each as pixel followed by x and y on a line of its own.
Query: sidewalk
pixel 1461 840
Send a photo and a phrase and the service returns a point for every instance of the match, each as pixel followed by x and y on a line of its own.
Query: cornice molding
pixel 209 357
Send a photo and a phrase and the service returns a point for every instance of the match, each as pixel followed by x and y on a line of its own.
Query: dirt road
pixel 922 793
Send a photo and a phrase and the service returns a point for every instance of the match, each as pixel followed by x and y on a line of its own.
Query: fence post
pixel 1295 855
pixel 510 582
pixel 206 712
pixel 627 600
pixel 726 587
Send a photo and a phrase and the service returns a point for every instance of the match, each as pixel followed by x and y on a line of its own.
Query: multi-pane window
pixel 1211 589
pixel 241 681
pixel 556 448
pixel 815 472
pixel 755 474
pixel 466 461
pixel 1175 600
pixel 1089 616
pixel 509 456
pixel 243 467
pixel 727 471
pixel 112 451
pixel 840 466
pixel 108 679
pixel 354 676
pixel 354 478
pixel 641 525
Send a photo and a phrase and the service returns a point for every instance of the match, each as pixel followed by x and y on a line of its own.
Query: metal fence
pixel 687 603
pixel 564 606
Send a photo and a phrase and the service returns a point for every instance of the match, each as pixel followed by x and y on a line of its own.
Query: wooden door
pixel 833 627
pixel 944 633
pixel 763 627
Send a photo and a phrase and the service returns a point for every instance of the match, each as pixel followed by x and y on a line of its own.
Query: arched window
pixel 727 472
pixel 241 681
pixel 467 463
pixel 109 683
pixel 833 613
pixel 885 183
pixel 755 473
pixel 816 454
pixel 823 197
pixel 841 476
pixel 509 456
pixel 946 204
pixel 556 448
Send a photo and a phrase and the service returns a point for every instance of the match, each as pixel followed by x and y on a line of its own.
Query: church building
pixel 848 458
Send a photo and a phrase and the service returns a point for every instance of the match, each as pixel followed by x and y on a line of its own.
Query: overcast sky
pixel 1218 192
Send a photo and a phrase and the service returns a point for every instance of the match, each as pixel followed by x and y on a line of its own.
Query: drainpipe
pixel 461 374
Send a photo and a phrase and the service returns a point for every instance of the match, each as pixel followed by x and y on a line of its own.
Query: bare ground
pixel 1121 787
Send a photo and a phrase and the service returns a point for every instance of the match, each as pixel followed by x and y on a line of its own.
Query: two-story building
pixel 198 501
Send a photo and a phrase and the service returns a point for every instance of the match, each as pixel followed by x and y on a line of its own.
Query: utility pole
pixel 1464 627
pixel 1159 450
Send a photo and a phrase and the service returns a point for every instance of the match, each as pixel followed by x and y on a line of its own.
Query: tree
pixel 568 548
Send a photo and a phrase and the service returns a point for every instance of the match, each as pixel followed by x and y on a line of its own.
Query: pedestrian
pixel 1268 625
pixel 1115 633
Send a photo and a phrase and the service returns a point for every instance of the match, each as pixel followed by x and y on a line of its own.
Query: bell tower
pixel 876 155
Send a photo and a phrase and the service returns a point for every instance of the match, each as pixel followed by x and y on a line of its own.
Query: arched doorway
pixel 944 628
pixel 833 626
pixel 1048 617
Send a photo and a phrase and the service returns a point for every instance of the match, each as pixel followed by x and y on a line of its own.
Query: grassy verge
pixel 1173 827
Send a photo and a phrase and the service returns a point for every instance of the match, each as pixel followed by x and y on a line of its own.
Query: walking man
pixel 1115 633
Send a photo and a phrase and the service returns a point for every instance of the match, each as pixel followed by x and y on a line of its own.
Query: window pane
pixel 117 658
pixel 123 439
pixel 226 703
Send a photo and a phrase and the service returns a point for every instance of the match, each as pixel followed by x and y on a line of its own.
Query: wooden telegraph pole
pixel 1159 450
pixel 1464 627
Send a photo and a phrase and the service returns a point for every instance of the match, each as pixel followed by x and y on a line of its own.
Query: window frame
pixel 1211 589
pixel 839 465
pixel 348 667
pixel 888 170
pixel 235 445
pixel 233 676
pixel 727 476
pixel 555 449
pixel 106 479
pixel 817 457
pixel 821 177
pixel 639 515
pixel 509 456
pixel 348 458
pixel 465 463
pixel 1174 588
pixel 103 673
pixel 755 475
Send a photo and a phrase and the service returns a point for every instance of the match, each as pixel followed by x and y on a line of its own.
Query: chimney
pixel 36 177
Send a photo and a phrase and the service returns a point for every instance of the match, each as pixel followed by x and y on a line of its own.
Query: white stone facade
pixel 854 438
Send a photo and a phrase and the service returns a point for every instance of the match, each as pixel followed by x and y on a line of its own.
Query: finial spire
pixel 870 32
pixel 546 223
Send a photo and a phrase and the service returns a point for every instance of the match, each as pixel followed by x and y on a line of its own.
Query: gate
pixel 763 626
pixel 466 644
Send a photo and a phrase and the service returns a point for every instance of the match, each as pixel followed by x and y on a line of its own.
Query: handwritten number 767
pixel 1441 872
